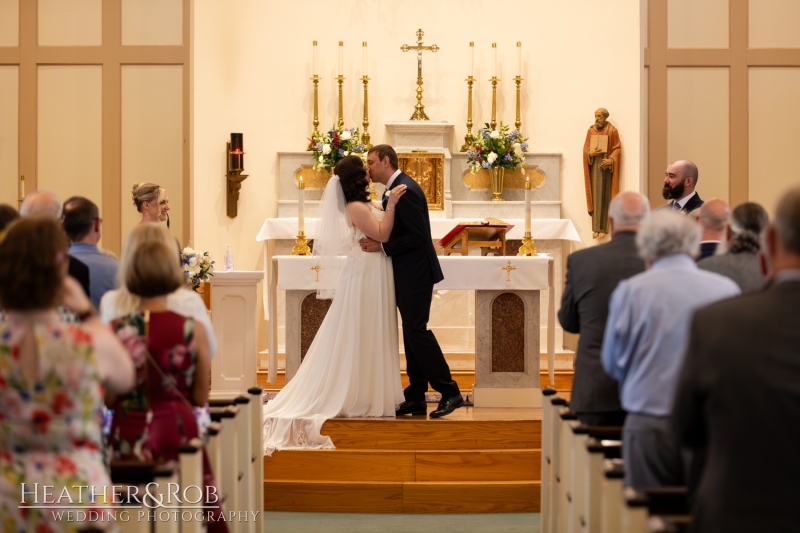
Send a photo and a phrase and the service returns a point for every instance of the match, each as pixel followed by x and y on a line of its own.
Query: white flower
pixel 494 135
pixel 345 136
pixel 517 149
pixel 193 261
pixel 321 159
pixel 195 270
pixel 346 153
pixel 326 149
pixel 491 157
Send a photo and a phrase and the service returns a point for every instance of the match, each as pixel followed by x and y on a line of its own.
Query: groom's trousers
pixel 425 362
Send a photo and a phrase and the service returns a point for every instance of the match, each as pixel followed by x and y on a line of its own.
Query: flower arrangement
pixel 497 148
pixel 197 267
pixel 332 146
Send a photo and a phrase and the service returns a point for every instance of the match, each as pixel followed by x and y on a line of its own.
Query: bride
pixel 352 367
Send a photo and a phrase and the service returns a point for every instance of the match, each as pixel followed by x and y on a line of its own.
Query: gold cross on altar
pixel 317 268
pixel 508 268
pixel 419 113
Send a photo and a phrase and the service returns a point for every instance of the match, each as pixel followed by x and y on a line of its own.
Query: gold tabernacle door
pixel 427 169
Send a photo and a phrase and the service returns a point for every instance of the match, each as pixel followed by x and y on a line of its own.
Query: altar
pixel 507 310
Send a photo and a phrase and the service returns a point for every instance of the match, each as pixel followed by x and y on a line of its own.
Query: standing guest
pixel 47 204
pixel 7 215
pixel 120 302
pixel 742 244
pixel 738 395
pixel 53 378
pixel 82 223
pixel 680 180
pixel 645 339
pixel 592 275
pixel 713 218
pixel 151 201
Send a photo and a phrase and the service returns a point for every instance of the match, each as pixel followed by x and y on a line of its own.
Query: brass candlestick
pixel 419 109
pixel 340 79
pixel 311 144
pixel 527 247
pixel 494 81
pixel 365 123
pixel 468 138
pixel 518 122
pixel 301 245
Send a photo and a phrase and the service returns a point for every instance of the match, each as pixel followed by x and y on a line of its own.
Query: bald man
pixel 680 180
pixel 713 218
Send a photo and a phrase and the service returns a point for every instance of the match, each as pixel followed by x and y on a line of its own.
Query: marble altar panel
pixel 508 333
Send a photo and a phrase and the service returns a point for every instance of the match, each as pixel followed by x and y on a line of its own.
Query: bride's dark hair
pixel 353 179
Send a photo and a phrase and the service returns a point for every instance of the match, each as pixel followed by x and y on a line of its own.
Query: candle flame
pixel 341 43
pixel 494 45
pixel 471 43
pixel 314 43
pixel 519 43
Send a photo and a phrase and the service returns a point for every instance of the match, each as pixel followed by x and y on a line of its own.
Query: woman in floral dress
pixel 52 380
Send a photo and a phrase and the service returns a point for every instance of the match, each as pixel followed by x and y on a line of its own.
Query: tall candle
pixel 527 205
pixel 21 188
pixel 519 59
pixel 341 57
pixel 315 65
pixel 471 58
pixel 301 207
pixel 494 60
pixel 364 57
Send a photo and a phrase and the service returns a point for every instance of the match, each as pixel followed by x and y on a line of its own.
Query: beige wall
pixel 9 134
pixel 70 22
pixel 9 22
pixel 774 23
pixel 252 62
pixel 698 24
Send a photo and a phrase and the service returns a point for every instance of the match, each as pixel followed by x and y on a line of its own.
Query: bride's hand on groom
pixel 370 245
pixel 395 195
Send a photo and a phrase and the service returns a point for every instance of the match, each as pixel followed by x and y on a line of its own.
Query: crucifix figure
pixel 419 109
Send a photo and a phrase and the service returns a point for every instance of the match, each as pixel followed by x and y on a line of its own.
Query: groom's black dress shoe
pixel 447 406
pixel 412 408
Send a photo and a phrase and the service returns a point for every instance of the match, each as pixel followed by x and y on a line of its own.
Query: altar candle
pixel 341 58
pixel 364 57
pixel 301 207
pixel 315 65
pixel 471 58
pixel 21 188
pixel 519 59
pixel 527 205
pixel 494 60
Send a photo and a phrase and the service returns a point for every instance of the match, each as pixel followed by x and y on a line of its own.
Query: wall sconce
pixel 235 163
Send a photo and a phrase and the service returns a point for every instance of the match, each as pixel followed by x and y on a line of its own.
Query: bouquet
pixel 497 148
pixel 197 267
pixel 332 146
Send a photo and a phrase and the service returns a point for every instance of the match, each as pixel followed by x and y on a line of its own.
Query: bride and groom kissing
pixel 352 367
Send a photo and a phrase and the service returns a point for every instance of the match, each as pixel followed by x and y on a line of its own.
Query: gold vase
pixel 498 173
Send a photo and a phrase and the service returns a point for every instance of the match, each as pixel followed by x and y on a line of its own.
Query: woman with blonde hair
pixel 151 201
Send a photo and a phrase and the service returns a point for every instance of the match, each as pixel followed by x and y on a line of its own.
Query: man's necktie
pixel 677 206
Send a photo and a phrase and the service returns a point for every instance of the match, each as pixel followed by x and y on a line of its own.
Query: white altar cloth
pixel 541 228
pixel 460 273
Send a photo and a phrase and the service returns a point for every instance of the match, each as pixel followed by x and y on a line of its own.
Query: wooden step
pixel 402 497
pixel 394 465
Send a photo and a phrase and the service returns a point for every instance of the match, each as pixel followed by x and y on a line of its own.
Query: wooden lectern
pixel 489 236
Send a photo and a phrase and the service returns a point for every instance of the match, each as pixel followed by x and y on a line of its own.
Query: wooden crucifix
pixel 419 109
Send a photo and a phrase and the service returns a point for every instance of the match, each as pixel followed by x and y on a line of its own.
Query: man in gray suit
pixel 592 275
pixel 738 395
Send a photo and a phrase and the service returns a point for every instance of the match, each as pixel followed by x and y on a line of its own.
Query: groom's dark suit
pixel 416 270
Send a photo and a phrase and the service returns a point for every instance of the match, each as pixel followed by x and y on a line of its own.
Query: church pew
pixel 190 459
pixel 228 478
pixel 564 473
pixel 257 449
pixel 140 473
pixel 597 450
pixel 640 504
pixel 213 448
pixel 611 495
pixel 551 524
pixel 669 524
pixel 547 441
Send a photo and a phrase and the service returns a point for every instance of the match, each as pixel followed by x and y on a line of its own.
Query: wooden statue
pixel 602 158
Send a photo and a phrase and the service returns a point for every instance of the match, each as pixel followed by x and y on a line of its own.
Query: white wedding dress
pixel 352 367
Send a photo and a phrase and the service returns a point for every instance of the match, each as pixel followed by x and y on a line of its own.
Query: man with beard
pixel 680 180
pixel 602 154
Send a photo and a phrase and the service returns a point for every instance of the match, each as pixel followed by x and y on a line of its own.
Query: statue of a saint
pixel 602 155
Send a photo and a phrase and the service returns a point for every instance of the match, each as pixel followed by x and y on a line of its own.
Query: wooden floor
pixel 472 461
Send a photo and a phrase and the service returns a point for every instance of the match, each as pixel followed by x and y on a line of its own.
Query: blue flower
pixel 341 152
pixel 319 147
pixel 486 164
pixel 524 146
pixel 507 157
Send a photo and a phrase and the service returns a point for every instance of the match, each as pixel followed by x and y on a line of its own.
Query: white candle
pixel 364 57
pixel 314 64
pixel 471 58
pixel 301 207
pixel 21 188
pixel 527 205
pixel 519 59
pixel 341 57
pixel 494 60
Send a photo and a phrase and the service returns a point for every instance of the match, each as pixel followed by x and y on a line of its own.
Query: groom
pixel 416 270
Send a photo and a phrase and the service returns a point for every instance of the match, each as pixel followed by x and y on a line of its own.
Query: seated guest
pixel 7 215
pixel 82 223
pixel 713 218
pixel 645 339
pixel 170 353
pixel 120 302
pixel 151 201
pixel 53 377
pixel 743 241
pixel 737 394
pixel 680 180
pixel 47 204
pixel 592 275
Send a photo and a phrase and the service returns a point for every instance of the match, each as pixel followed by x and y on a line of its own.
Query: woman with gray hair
pixel 739 262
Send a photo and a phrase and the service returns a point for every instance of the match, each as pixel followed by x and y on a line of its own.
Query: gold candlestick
pixel 301 245
pixel 518 122
pixel 311 144
pixel 494 81
pixel 340 79
pixel 527 247
pixel 365 123
pixel 468 138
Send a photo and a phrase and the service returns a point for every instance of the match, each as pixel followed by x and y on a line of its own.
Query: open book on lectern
pixel 489 223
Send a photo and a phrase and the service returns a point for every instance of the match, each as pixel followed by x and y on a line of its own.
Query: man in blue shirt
pixel 82 223
pixel 645 339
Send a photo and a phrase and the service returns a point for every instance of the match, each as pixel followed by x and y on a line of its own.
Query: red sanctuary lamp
pixel 235 164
